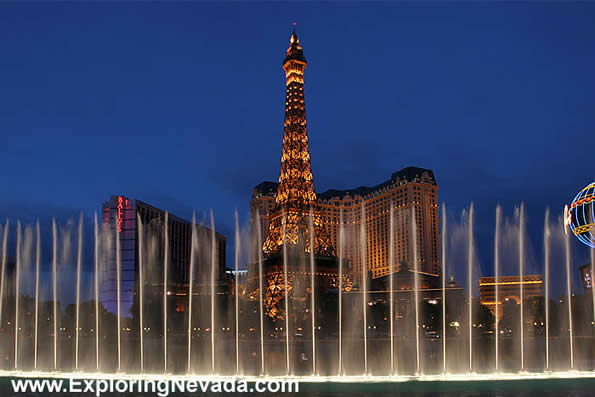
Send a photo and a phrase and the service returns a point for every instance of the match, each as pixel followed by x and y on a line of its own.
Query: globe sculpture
pixel 579 217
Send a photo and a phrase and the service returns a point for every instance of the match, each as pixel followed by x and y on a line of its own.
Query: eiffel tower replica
pixel 296 229
pixel 290 222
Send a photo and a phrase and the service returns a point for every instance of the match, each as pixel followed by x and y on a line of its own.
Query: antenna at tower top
pixel 294 38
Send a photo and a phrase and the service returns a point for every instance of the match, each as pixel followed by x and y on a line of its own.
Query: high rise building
pixel 121 219
pixel 411 191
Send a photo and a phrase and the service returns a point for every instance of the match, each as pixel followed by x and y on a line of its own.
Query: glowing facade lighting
pixel 295 193
pixel 121 204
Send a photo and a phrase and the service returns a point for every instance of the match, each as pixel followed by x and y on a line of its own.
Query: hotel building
pixel 141 230
pixel 411 191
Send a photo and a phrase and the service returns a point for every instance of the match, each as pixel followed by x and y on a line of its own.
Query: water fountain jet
pixel 213 270
pixel 261 294
pixel 118 296
pixel 341 248
pixel 546 258
pixel 312 294
pixel 364 285
pixel 497 280
pixel 16 296
pixel 237 289
pixel 4 243
pixel 96 259
pixel 165 269
pixel 37 266
pixel 416 287
pixel 521 275
pixel 79 262
pixel 470 285
pixel 286 289
pixel 55 289
pixel 443 240
pixel 391 260
pixel 569 292
pixel 141 292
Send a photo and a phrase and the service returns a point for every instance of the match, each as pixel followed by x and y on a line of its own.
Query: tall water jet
pixel 416 291
pixel 141 288
pixel 261 292
pixel 391 260
pixel 165 268
pixel 190 289
pixel 443 241
pixel 118 296
pixel 312 294
pixel 470 285
pixel 237 290
pixel 79 260
pixel 341 247
pixel 286 289
pixel 364 284
pixel 37 266
pixel 569 292
pixel 213 270
pixel 55 289
pixel 4 243
pixel 497 279
pixel 521 274
pixel 16 297
pixel 546 259
pixel 96 260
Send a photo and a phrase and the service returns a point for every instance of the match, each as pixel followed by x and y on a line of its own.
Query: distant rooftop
pixel 265 189
pixel 171 217
pixel 406 175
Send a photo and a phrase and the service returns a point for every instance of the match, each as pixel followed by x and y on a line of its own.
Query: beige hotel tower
pixel 411 191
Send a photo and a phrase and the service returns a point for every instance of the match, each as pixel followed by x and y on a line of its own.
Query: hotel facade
pixel 141 230
pixel 410 192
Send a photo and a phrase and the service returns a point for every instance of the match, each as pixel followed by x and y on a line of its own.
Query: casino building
pixel 409 190
pixel 141 228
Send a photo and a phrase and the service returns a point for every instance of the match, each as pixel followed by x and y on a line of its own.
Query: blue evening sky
pixel 181 104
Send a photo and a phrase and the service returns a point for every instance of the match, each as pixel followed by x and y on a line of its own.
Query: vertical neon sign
pixel 121 204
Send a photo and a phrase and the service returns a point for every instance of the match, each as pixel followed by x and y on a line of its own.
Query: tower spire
pixel 295 194
pixel 296 185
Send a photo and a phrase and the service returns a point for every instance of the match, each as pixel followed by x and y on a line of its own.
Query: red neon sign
pixel 120 207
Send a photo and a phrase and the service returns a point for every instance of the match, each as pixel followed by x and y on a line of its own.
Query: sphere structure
pixel 579 217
